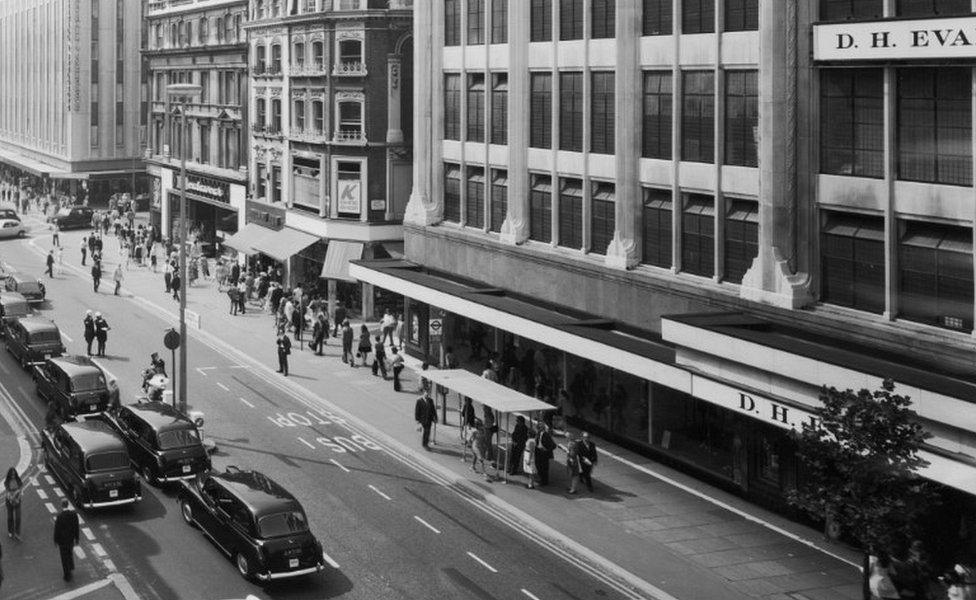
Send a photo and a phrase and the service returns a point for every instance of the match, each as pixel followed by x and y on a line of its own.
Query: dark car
pixel 255 521
pixel 9 213
pixel 164 444
pixel 12 306
pixel 33 340
pixel 74 384
pixel 75 217
pixel 91 462
pixel 29 287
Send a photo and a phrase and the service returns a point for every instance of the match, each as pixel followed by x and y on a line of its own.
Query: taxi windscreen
pixel 45 337
pixel 178 438
pixel 107 461
pixel 283 523
pixel 88 382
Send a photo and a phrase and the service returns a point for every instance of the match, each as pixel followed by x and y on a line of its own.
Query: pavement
pixel 653 528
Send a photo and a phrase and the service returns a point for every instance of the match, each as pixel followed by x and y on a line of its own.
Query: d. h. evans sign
pixel 896 40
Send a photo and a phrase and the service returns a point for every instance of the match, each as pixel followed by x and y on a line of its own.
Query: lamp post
pixel 182 93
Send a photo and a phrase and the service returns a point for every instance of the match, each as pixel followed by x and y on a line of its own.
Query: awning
pixel 246 239
pixel 27 164
pixel 484 391
pixel 337 257
pixel 284 243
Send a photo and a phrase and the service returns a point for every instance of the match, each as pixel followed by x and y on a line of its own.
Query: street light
pixel 182 93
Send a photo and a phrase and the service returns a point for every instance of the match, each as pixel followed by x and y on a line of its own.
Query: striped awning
pixel 337 257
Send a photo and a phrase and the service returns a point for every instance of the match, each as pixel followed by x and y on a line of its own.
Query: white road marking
pixel 79 553
pixel 99 551
pixel 83 590
pixel 42 494
pixel 246 402
pixel 67 337
pixel 109 564
pixel 483 563
pixel 58 492
pixel 223 387
pixel 49 479
pixel 529 594
pixel 88 534
pixel 4 369
pixel 50 508
pixel 80 520
pixel 203 370
pixel 309 444
pixel 426 524
pixel 336 463
pixel 372 487
pixel 328 559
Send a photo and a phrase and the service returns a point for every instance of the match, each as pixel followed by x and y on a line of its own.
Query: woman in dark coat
pixel 520 435
pixel 365 345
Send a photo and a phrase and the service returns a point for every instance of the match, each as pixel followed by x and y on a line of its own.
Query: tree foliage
pixel 861 466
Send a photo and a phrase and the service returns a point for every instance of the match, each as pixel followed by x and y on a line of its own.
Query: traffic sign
pixel 436 326
pixel 171 339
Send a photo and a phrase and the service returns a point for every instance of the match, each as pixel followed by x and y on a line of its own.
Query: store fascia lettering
pixel 781 415
pixel 896 40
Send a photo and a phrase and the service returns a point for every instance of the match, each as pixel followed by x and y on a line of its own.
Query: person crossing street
pixel 96 273
pixel 117 276
pixel 66 533
pixel 50 264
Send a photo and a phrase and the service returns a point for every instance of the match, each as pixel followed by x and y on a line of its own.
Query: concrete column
pixel 890 222
pixel 771 279
pixel 515 229
pixel 623 252
pixel 394 131
pixel 423 208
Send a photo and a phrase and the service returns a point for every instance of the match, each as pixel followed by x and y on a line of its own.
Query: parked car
pixel 253 520
pixel 91 462
pixel 33 340
pixel 12 228
pixel 164 444
pixel 75 385
pixel 30 287
pixel 9 213
pixel 12 306
pixel 73 217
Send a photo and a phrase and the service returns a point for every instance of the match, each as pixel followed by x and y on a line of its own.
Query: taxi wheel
pixel 76 497
pixel 23 362
pixel 242 567
pixel 148 477
pixel 187 511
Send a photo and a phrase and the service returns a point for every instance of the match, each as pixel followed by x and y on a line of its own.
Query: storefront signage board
pixel 913 39
pixel 349 196
pixel 780 414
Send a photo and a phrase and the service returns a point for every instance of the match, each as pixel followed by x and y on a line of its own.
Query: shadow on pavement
pixel 330 583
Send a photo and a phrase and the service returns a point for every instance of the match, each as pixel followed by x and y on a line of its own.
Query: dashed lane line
pixel 88 534
pixel 330 561
pixel 375 489
pixel 58 492
pixel 246 403
pixel 530 594
pixel 336 463
pixel 203 370
pixel 426 524
pixel 41 493
pixel 67 337
pixel 482 562
pixel 49 479
pixel 307 443
pixel 109 565
pixel 223 387
pixel 99 551
pixel 50 508
pixel 79 553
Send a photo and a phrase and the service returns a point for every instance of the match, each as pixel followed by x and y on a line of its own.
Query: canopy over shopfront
pixel 284 243
pixel 34 167
pixel 337 257
pixel 246 240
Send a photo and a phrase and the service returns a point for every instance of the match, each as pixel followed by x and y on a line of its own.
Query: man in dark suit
pixel 66 537
pixel 284 349
pixel 425 413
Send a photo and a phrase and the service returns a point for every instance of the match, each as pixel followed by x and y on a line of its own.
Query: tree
pixel 861 466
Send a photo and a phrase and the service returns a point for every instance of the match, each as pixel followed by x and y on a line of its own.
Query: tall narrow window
pixel 852 262
pixel 602 217
pixel 602 121
pixel 571 111
pixel 698 16
pixel 476 22
pixel 452 106
pixel 275 115
pixel 698 117
pixel 741 117
pixel 452 22
pixel 698 235
pixel 498 199
pixel 656 121
pixel 298 113
pixel 452 193
pixel 571 213
pixel 656 227
pixel 540 17
pixel 540 209
pixel 260 58
pixel 658 17
pixel 741 15
pixel 936 274
pixel 276 58
pixel 318 55
pixel 935 125
pixel 298 55
pixel 540 109
pixel 351 126
pixel 499 21
pixel 931 8
pixel 570 19
pixel 852 122
pixel 474 198
pixel 741 238
pixel 261 116
pixel 476 108
pixel 318 116
pixel 499 108
pixel 846 10
pixel 603 17
pixel 205 143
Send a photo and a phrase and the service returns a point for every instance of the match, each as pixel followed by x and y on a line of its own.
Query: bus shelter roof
pixel 485 391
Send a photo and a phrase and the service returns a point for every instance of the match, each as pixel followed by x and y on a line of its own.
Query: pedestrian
pixel 588 457
pixel 379 358
pixel 545 446
pixel 467 416
pixel 66 537
pixel 425 413
pixel 101 333
pixel 284 349
pixel 117 276
pixel 298 321
pixel 519 437
pixel 59 260
pixel 289 311
pixel 84 250
pixel 573 464
pixel 234 296
pixel 153 257
pixel 479 448
pixel 397 364
pixel 49 261
pixel 235 274
pixel 425 385
pixel 387 324
pixel 55 235
pixel 340 317
pixel 168 276
pixel 319 332
pixel 89 323
pixel 364 345
pixel 398 330
pixel 13 487
pixel 242 296
pixel 347 339
pixel 529 463
pixel 175 284
pixel 489 373
pixel 96 273
pixel 882 588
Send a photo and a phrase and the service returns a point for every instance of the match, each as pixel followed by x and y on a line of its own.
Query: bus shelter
pixel 500 399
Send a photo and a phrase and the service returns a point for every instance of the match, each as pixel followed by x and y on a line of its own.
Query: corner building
pixel 692 214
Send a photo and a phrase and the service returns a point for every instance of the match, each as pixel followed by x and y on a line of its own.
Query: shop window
pixel 741 15
pixel 349 188
pixel 936 274
pixel 852 122
pixel 931 8
pixel 452 106
pixel 540 127
pixel 571 213
pixel 499 21
pixel 474 198
pixel 741 238
pixel 602 217
pixel 698 117
pixel 499 108
pixel 570 20
pixel 693 431
pixel 656 121
pixel 540 17
pixel 476 22
pixel 846 10
pixel 698 235
pixel 602 122
pixel 476 108
pixel 603 19
pixel 452 193
pixel 606 398
pixel 741 118
pixel 935 125
pixel 697 16
pixel 656 224
pixel 499 199
pixel 852 262
pixel 452 22
pixel 540 209
pixel 571 112
pixel 658 17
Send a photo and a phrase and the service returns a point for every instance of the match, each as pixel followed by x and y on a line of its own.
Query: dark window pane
pixel 697 16
pixel 698 117
pixel 499 21
pixel 698 235
pixel 844 10
pixel 570 19
pixel 602 114
pixel 658 17
pixel 571 111
pixel 452 107
pixel 602 218
pixel 657 228
pixel 656 135
pixel 852 122
pixel 571 213
pixel 452 193
pixel 499 108
pixel 452 22
pixel 540 209
pixel 603 18
pixel 936 275
pixel 474 199
pixel 540 109
pixel 741 15
pixel 929 8
pixel 476 108
pixel 741 238
pixel 541 20
pixel 476 22
pixel 499 199
pixel 741 117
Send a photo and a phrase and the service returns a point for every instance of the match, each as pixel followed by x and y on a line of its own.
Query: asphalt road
pixel 390 529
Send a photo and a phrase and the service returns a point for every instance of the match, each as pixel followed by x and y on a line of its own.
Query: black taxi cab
pixel 164 444
pixel 255 521
pixel 30 287
pixel 74 384
pixel 13 305
pixel 91 463
pixel 33 339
